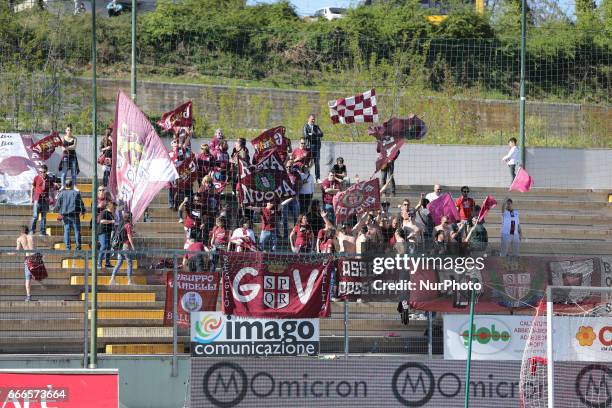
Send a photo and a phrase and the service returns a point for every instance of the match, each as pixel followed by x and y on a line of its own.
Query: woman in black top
pixel 106 223
pixel 69 159
pixel 106 148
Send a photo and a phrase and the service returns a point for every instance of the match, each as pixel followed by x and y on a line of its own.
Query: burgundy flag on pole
pixel 257 284
pixel 488 204
pixel 181 116
pixel 392 134
pixel 141 166
pixel 522 181
pixel 45 147
pixel 359 198
pixel 266 181
pixel 271 139
pixel 443 206
pixel 359 108
pixel 187 173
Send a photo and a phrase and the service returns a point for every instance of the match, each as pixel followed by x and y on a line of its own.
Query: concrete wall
pixel 144 382
pixel 456 165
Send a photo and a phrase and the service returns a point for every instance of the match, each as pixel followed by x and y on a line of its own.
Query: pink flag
pixel 141 166
pixel 488 204
pixel 522 181
pixel 443 206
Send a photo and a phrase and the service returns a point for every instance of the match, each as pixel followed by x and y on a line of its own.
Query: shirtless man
pixel 25 241
pixel 346 237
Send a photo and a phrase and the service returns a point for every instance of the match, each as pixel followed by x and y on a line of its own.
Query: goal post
pixel 575 327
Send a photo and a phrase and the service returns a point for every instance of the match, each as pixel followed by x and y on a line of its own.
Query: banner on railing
pixel 257 284
pixel 196 292
pixel 214 334
pixel 17 170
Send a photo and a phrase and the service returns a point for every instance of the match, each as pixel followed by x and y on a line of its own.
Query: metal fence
pixel 130 317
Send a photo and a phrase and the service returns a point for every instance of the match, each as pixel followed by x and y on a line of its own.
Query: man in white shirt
pixel 243 238
pixel 437 192
pixel 512 159
pixel 510 229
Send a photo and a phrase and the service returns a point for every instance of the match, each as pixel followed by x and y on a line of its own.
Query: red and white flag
pixel 271 139
pixel 141 166
pixel 196 292
pixel 522 181
pixel 359 108
pixel 257 284
pixel 181 116
pixel 45 147
pixel 357 199
pixel 488 204
pixel 443 206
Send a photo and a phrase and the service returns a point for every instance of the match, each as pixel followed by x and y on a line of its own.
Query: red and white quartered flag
pixel 181 116
pixel 141 165
pixel 359 108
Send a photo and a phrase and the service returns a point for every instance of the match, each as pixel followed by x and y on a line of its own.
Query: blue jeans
pixel 106 176
pixel 104 240
pixel 293 207
pixel 315 150
pixel 120 258
pixel 40 207
pixel 69 164
pixel 267 240
pixel 72 221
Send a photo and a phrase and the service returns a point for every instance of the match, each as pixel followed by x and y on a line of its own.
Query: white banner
pixel 17 170
pixel 495 337
pixel 590 339
pixel 214 334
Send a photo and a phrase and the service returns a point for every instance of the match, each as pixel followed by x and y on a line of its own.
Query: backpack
pixel 118 238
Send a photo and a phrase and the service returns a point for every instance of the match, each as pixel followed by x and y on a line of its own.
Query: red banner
pixel 359 198
pixel 443 206
pixel 45 147
pixel 91 389
pixel 257 284
pixel 487 205
pixel 196 292
pixel 271 140
pixel 141 166
pixel 181 116
pixel 391 136
pixel 266 181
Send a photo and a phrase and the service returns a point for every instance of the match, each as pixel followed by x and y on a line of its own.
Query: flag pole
pixel 94 188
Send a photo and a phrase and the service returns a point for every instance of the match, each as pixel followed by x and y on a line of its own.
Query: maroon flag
pixel 256 284
pixel 488 204
pixel 359 108
pixel 187 173
pixel 392 134
pixel 177 118
pixel 219 186
pixel 271 140
pixel 266 181
pixel 45 147
pixel 196 292
pixel 522 181
pixel 141 166
pixel 359 198
pixel 443 206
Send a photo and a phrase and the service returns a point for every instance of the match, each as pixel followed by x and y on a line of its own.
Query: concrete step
pixel 139 348
pixel 130 314
pixel 137 334
pixel 105 280
pixel 50 290
pixel 54 217
pixel 80 264
pixel 124 297
pixel 37 324
pixel 60 246
pixel 49 306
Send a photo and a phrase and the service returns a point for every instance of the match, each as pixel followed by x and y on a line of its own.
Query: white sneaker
pixel 76 189
pixel 318 181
